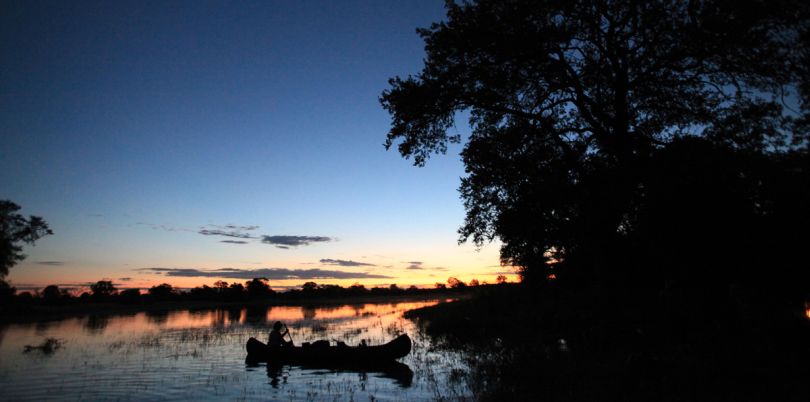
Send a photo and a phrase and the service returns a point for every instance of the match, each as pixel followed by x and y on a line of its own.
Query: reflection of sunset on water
pixel 304 321
pixel 297 313
pixel 187 354
pixel 292 315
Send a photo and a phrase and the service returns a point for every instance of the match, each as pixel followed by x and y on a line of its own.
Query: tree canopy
pixel 103 289
pixel 15 230
pixel 608 131
pixel 259 288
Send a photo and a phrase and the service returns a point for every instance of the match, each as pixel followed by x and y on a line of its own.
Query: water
pixel 200 355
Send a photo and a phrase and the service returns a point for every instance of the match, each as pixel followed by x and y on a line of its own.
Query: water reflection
pixel 257 314
pixel 400 373
pixel 158 317
pixel 308 312
pixel 42 327
pixel 95 324
pixel 276 371
pixel 199 354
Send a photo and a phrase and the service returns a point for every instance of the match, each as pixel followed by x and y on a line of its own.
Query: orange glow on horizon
pixel 186 283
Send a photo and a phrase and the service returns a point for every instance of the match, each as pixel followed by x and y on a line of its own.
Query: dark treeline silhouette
pixel 256 289
pixel 609 150
pixel 16 230
pixel 646 166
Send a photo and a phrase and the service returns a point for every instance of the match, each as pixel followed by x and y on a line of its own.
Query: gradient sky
pixel 200 136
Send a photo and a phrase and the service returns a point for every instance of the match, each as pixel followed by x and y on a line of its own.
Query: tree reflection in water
pixel 95 324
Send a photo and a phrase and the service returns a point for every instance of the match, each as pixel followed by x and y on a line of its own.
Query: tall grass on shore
pixel 564 344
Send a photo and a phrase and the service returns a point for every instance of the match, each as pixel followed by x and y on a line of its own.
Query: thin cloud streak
pixel 269 273
pixel 345 263
pixel 239 228
pixel 420 266
pixel 294 241
pixel 415 265
pixel 217 232
pixel 168 228
pixel 229 230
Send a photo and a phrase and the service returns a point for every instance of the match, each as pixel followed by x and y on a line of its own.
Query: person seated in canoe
pixel 276 338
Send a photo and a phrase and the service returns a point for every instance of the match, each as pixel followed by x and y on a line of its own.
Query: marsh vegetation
pixel 199 354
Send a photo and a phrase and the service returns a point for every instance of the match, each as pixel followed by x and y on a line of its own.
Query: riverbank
pixel 560 344
pixel 22 312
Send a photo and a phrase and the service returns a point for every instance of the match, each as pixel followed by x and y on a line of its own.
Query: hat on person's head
pixel 277 326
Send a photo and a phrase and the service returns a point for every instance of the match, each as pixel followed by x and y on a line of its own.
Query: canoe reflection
pixel 399 372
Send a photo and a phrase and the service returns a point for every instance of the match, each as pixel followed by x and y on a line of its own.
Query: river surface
pixel 200 355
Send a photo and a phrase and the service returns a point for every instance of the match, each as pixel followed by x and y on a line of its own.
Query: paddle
pixel 287 330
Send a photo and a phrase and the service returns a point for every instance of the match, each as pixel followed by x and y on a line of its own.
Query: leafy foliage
pixel 164 291
pixel 51 293
pixel 258 288
pixel 585 114
pixel 15 230
pixel 102 289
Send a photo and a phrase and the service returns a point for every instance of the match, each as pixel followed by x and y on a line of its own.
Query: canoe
pixel 397 348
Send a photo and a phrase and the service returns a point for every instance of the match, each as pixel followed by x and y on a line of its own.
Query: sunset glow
pixel 260 155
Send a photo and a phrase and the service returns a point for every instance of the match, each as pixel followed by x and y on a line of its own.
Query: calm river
pixel 200 355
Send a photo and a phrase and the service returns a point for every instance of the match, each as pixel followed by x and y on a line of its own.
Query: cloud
pixel 239 228
pixel 54 263
pixel 234 241
pixel 217 232
pixel 345 263
pixel 415 265
pixel 168 228
pixel 83 285
pixel 125 279
pixel 419 265
pixel 229 230
pixel 294 241
pixel 269 273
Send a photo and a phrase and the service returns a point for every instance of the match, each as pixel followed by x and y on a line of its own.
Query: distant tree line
pixel 252 290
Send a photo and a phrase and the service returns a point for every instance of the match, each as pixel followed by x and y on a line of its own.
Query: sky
pixel 189 142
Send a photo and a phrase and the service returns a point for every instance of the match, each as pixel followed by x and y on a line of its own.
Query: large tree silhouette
pixel 579 110
pixel 15 230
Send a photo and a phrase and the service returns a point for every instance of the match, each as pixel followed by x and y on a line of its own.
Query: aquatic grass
pixel 116 345
pixel 162 360
pixel 150 340
pixel 47 347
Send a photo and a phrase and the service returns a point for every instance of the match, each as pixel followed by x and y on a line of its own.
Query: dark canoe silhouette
pixel 399 347
pixel 392 369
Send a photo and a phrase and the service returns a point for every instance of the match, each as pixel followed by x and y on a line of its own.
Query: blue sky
pixel 132 127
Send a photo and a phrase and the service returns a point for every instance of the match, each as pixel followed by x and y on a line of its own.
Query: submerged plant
pixel 48 346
